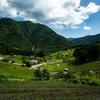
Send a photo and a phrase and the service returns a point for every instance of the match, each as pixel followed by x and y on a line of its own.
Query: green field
pixel 16 71
pixel 71 66
pixel 47 91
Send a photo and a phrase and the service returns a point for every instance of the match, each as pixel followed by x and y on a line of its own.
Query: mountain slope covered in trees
pixel 85 40
pixel 26 34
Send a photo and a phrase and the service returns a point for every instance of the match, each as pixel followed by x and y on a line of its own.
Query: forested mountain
pixel 85 40
pixel 26 34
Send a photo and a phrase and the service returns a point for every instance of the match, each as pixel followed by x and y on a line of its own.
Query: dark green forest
pixel 8 50
pixel 87 52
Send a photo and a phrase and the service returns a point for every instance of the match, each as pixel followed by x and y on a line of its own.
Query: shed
pixel 1 58
pixel 66 69
pixel 34 61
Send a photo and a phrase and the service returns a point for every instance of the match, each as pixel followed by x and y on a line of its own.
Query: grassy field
pixel 16 71
pixel 47 91
pixel 52 67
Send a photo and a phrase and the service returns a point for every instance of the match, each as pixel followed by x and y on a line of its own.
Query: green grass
pixel 21 72
pixel 47 91
pixel 52 67
pixel 71 66
pixel 16 71
pixel 83 67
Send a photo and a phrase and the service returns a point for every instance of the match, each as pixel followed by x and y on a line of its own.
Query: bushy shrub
pixel 60 74
pixel 27 79
pixel 90 81
pixel 4 77
pixel 83 73
pixel 69 75
pixel 2 80
pixel 42 75
pixel 61 79
pixel 69 80
pixel 75 81
pixel 95 82
pixel 85 80
pixel 38 74
pixel 45 74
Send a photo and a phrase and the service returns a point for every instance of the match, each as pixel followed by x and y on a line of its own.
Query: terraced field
pixel 47 91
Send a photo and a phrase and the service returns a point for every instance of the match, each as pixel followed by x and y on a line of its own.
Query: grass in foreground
pixel 47 91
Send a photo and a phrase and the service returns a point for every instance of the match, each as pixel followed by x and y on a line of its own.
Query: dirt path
pixel 34 66
pixel 17 64
pixel 57 72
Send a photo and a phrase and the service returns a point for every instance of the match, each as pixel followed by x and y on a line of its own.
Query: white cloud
pixel 91 8
pixel 49 12
pixel 87 28
pixel 6 10
pixel 58 26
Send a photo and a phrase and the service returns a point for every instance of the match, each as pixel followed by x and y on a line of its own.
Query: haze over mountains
pixel 26 34
pixel 85 40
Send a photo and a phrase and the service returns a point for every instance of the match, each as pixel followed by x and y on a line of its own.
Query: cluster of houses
pixel 33 61
pixel 25 65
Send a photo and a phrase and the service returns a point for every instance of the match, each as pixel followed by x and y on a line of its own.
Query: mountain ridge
pixel 85 40
pixel 26 34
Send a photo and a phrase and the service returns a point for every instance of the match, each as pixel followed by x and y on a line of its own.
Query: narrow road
pixel 17 64
pixel 34 66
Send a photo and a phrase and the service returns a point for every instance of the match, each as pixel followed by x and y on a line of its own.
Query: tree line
pixel 87 53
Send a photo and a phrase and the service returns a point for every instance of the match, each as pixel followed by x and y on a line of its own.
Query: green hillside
pixel 25 35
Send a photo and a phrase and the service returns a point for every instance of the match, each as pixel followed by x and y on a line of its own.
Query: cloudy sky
pixel 69 18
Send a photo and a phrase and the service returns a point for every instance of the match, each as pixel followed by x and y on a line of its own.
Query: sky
pixel 69 18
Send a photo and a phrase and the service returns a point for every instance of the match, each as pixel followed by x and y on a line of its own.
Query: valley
pixel 39 64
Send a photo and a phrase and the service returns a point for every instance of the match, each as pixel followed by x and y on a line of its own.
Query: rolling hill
pixel 26 34
pixel 85 40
